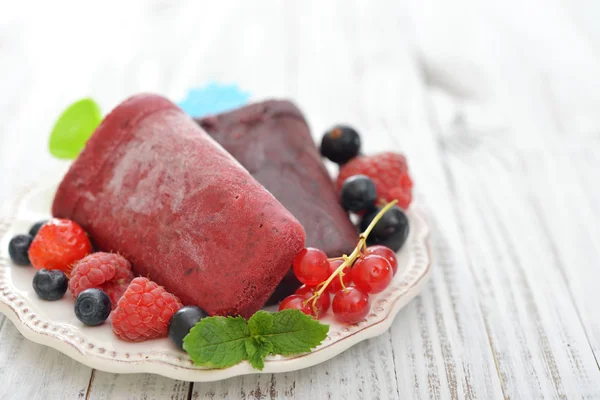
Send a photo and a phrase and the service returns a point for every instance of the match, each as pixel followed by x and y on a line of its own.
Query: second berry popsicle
pixel 273 142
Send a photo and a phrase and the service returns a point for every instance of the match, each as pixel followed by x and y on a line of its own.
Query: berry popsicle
pixel 273 142
pixel 154 187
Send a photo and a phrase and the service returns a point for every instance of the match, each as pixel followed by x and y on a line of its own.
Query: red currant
pixel 351 305
pixel 372 274
pixel 334 286
pixel 306 290
pixel 296 302
pixel 323 302
pixel 386 253
pixel 311 266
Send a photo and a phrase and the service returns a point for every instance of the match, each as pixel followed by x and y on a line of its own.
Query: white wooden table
pixel 496 104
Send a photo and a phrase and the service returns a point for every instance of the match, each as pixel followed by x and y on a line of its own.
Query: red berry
pixel 323 304
pixel 311 266
pixel 388 171
pixel 372 274
pixel 351 305
pixel 386 253
pixel 404 197
pixel 306 290
pixel 144 311
pixel 108 272
pixel 323 301
pixel 115 290
pixel 334 286
pixel 296 302
pixel 58 245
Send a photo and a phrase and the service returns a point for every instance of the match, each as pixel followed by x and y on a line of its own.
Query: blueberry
pixel 391 230
pixel 182 321
pixel 358 193
pixel 340 144
pixel 50 284
pixel 18 248
pixel 92 307
pixel 36 227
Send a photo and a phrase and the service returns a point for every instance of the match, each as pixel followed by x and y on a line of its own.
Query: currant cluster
pixel 349 279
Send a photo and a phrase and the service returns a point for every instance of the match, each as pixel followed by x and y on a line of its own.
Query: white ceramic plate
pixel 54 324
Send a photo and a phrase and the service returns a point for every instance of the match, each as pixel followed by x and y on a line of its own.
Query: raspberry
pixel 388 171
pixel 58 244
pixel 403 196
pixel 115 290
pixel 144 311
pixel 108 272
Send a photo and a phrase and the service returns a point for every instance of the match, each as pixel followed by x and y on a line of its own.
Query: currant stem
pixel 349 260
pixel 341 275
pixel 385 209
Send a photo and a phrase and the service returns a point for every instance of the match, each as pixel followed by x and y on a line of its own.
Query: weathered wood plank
pixel 441 346
pixel 504 190
pixel 106 386
pixel 533 323
pixel 569 217
pixel 539 344
pixel 33 371
pixel 365 371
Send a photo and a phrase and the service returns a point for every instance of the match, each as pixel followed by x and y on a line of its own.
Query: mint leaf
pixel 257 350
pixel 73 128
pixel 222 342
pixel 261 322
pixel 217 341
pixel 289 331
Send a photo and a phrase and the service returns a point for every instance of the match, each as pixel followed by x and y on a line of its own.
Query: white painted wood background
pixel 496 104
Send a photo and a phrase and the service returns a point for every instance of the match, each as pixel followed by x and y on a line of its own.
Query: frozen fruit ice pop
pixel 153 186
pixel 273 142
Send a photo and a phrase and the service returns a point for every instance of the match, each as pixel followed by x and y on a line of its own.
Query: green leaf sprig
pixel 221 342
pixel 73 128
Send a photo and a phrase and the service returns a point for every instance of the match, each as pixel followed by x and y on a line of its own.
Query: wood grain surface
pixel 496 105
